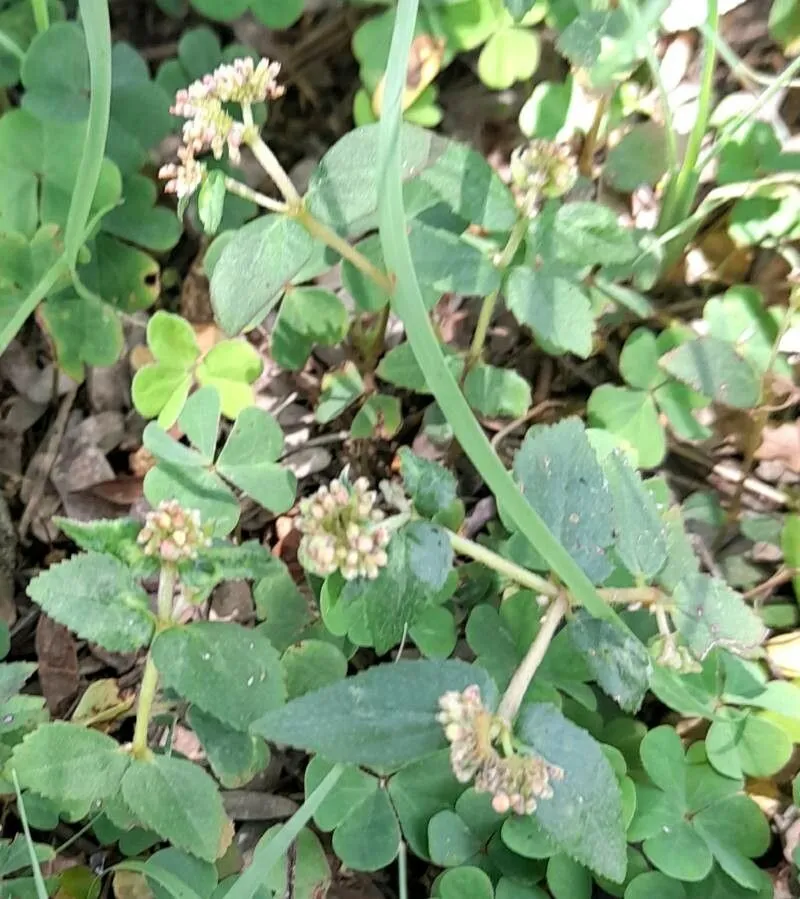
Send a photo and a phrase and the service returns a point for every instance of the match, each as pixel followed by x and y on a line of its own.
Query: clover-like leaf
pixel 248 460
pixel 311 871
pixel 252 272
pixel 308 316
pixel 229 671
pixel 400 367
pixel 432 487
pixel 231 366
pixel 713 367
pixel 639 158
pixel 63 761
pixel 497 392
pixel 340 389
pixel 180 802
pixel 194 488
pixel 309 665
pixel 449 264
pixel 96 596
pixel 511 54
pixel 381 416
pixel 632 416
pixel 348 721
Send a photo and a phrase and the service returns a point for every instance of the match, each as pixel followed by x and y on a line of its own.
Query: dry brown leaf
pixel 58 664
pixel 781 444
pixel 123 490
pixel 102 704
pixel 130 885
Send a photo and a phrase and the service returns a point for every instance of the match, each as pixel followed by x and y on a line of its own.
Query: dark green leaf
pixel 340 389
pixel 450 841
pixel 310 665
pixel 584 815
pixel 65 762
pixel 639 158
pixel 235 757
pixel 368 839
pixel 497 392
pixel 400 367
pixel 229 671
pixel 632 416
pixel 380 417
pixel 210 200
pixel 451 265
pixel 432 487
pixel 383 717
pixel 179 801
pixel 562 479
pixel 420 559
pixel 96 596
pixel 713 367
pixel 194 488
pixel 618 661
pixel 254 268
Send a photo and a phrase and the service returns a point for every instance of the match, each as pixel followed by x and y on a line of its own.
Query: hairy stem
pixel 615 596
pixel 149 685
pixel 346 250
pixel 269 162
pixel 502 262
pixel 247 193
pixel 512 698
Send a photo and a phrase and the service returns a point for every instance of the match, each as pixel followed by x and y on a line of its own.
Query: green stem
pixel 518 687
pixel 97 32
pixel 11 47
pixel 402 871
pixel 269 853
pixel 681 190
pixel 518 233
pixel 346 250
pixel 27 307
pixel 41 888
pixel 149 685
pixel 409 305
pixel 269 162
pixel 41 15
pixel 247 193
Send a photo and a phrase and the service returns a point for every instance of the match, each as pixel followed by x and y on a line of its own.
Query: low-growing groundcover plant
pixel 492 727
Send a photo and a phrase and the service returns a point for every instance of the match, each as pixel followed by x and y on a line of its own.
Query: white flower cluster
pixel 340 527
pixel 542 169
pixel 516 782
pixel 209 127
pixel 172 533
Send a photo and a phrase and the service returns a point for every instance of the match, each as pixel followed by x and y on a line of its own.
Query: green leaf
pixel 83 330
pixel 638 361
pixel 381 417
pixel 308 316
pixel 210 200
pixel 166 449
pixel 450 841
pixel 562 479
pixel 434 633
pixel 310 665
pixel 464 180
pixel 497 392
pixel 449 264
pixel 708 614
pixel 229 671
pixel 160 390
pixel 232 366
pixel 464 883
pixel 420 790
pixel 420 559
pixel 343 189
pixel 194 488
pixel 281 607
pixel 277 13
pixel 618 661
pixel 353 787
pixel 639 158
pixel 55 73
pixel 248 461
pixel 784 25
pixel 580 235
pixel 340 389
pixel 713 367
pixel 178 801
pixel 400 367
pixel 735 830
pixel 526 837
pixel 654 883
pixel 199 420
pixel 254 268
pixel 235 757
pixel 567 879
pixel 138 220
pixel 383 717
pixel 312 873
pixel 742 743
pixel 368 296
pixel 556 309
pixel 641 535
pixel 12 676
pixel 584 815
pixel 96 596
pixel 197 875
pixel 112 536
pixel 510 55
pixel 630 415
pixel 65 762
pixel 224 561
pixel 368 839
pixel 432 487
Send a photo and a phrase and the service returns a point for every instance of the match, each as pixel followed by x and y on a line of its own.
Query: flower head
pixel 516 780
pixel 542 169
pixel 209 126
pixel 172 533
pixel 342 531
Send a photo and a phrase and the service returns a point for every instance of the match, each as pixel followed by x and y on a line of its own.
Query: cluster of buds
pixel 540 170
pixel 209 126
pixel 341 530
pixel 173 534
pixel 515 781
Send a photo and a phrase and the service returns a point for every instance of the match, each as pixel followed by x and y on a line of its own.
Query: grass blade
pixel 41 889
